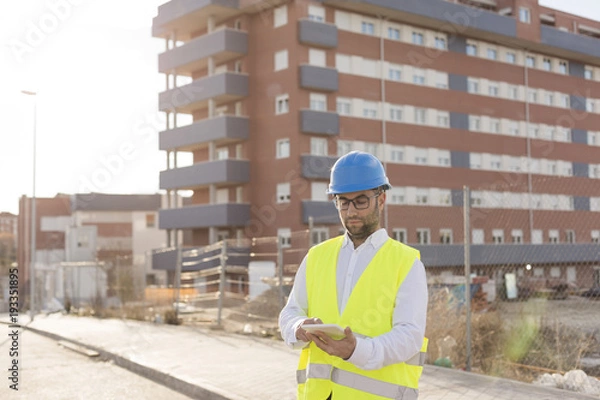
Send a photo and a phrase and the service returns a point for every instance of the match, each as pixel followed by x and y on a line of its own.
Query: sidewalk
pixel 213 364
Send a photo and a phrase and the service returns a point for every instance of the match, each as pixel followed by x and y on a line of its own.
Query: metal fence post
pixel 311 227
pixel 280 272
pixel 177 274
pixel 467 232
pixel 222 280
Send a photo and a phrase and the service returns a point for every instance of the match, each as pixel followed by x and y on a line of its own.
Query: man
pixel 366 282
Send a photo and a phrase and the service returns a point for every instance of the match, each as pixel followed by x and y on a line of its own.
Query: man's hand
pixel 343 348
pixel 301 333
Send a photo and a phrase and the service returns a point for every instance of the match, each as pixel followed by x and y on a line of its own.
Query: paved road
pixel 51 372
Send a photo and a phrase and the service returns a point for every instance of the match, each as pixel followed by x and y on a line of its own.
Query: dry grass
pixel 520 347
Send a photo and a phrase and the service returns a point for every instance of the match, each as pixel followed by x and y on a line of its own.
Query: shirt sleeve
pixel 408 330
pixel 295 311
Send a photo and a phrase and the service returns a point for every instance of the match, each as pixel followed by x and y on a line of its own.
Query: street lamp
pixel 33 224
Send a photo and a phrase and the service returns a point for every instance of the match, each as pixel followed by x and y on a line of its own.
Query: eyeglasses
pixel 361 202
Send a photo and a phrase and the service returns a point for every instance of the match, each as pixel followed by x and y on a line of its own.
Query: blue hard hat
pixel 357 171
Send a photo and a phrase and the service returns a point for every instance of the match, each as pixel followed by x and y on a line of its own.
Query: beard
pixel 362 227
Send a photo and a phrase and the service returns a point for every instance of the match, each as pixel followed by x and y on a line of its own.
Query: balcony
pixel 570 42
pixel 188 16
pixel 318 78
pixel 221 130
pixel 436 14
pixel 322 212
pixel 200 258
pixel 319 34
pixel 223 45
pixel 319 122
pixel 221 172
pixel 316 167
pixel 204 216
pixel 222 88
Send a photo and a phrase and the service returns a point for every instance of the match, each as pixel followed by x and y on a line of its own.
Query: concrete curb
pixel 181 386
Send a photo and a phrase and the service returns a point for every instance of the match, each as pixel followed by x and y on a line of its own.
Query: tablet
pixel 332 330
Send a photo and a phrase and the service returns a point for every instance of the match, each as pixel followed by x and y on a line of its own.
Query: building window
pixel 589 105
pixel 344 106
pixel 367 28
pixel 417 38
pixel 494 126
pixel 238 24
pixel 395 113
pixel 420 116
pixel 283 192
pixel 318 146
pixel 393 33
pixel 399 234
pixel 513 129
pixel 524 15
pixel 443 120
pixel 473 86
pixel 418 76
pixel 281 60
pixel 282 104
pixel 421 158
pixel 316 13
pixel 285 237
pixel 471 50
pixel 318 191
pixel 565 100
pixel 532 96
pixel 595 236
pixel 493 90
pixel 511 58
pixel 548 98
pixel 441 80
pixel 444 158
pixel 318 102
pixel 440 43
pixel 477 236
pixel 553 236
pixel 563 67
pixel 537 236
pixel 342 63
pixel 475 161
pixel 150 220
pixel 394 73
pixel 530 61
pixel 397 196
pixel 513 92
pixel 423 236
pixel 319 235
pixel 343 147
pixel 372 148
pixel 495 162
pixel 474 123
pixel 446 236
pixel 497 236
pixel 280 16
pixel 492 54
pixel 317 57
pixel 397 155
pixel 547 64
pixel 369 109
pixel 282 148
pixel 588 74
pixel 222 153
pixel 570 236
pixel 517 236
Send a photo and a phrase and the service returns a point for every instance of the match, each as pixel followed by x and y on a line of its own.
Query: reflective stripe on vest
pixel 357 381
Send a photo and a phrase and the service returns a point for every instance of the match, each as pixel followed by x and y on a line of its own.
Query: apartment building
pixel 89 241
pixel 501 96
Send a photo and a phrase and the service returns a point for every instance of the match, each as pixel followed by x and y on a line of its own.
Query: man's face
pixel 360 222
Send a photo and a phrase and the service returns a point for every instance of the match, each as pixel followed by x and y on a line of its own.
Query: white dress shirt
pixel 402 342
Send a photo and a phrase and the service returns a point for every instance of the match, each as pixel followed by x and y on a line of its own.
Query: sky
pixel 93 65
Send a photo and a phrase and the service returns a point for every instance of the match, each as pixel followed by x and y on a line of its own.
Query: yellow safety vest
pixel 369 313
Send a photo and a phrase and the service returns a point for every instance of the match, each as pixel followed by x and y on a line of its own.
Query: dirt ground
pixel 576 312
